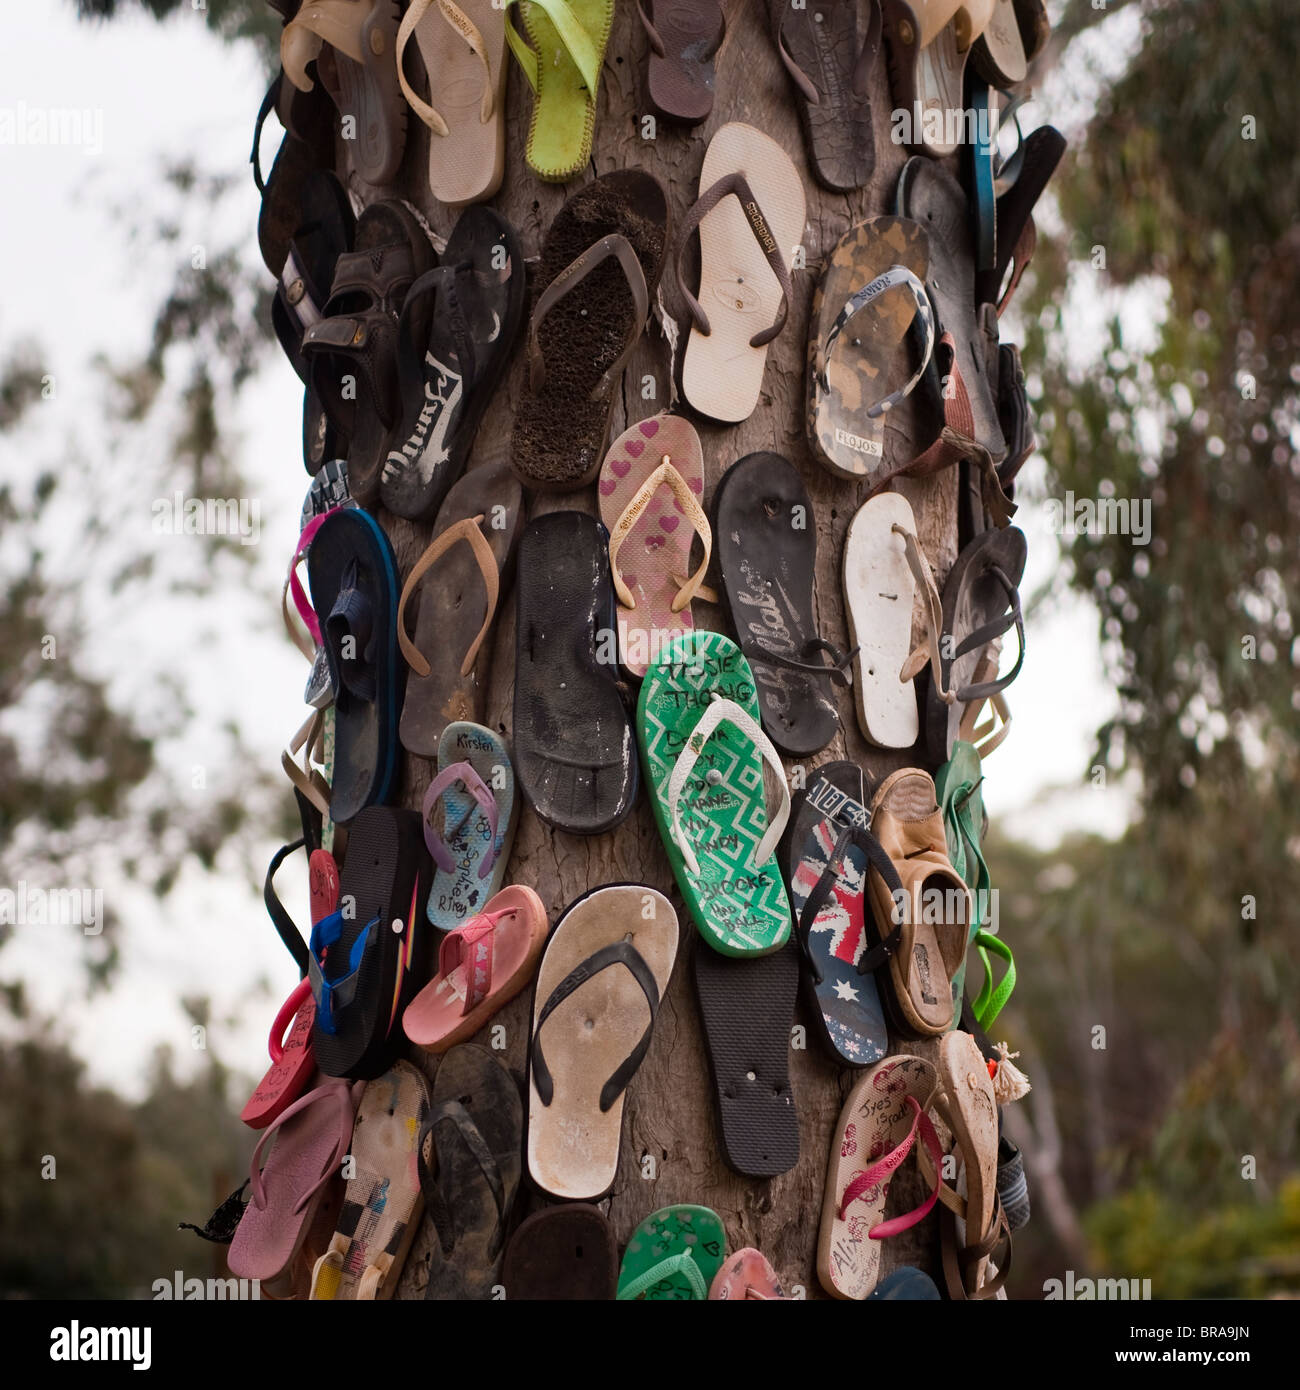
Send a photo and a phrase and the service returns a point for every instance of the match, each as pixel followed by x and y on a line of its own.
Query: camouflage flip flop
pixel 871 298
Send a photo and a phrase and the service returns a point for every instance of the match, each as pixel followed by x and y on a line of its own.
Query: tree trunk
pixel 669 1115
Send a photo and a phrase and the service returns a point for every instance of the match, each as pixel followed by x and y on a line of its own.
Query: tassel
pixel 1009 1082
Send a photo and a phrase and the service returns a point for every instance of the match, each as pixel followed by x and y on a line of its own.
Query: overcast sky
pixel 72 283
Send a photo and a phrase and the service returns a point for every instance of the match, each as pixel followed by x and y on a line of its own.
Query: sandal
pixel 605 970
pixel 750 217
pixel 482 965
pixel 747 1274
pixel 929 43
pixel 459 580
pixel 353 43
pixel 684 43
pixel 651 481
pixel 463 48
pixel 600 263
pixel 561 1253
pixel 457 331
pixel 672 1256
pixel 292 1063
pixel 352 350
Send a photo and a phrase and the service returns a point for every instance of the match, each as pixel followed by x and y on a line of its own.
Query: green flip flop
pixel 703 750
pixel 674 1255
pixel 957 787
pixel 561 59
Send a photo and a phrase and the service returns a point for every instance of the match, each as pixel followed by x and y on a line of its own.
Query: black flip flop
pixel 370 957
pixel 458 327
pixel 470 1163
pixel 981 601
pixel 562 1253
pixel 575 753
pixel 829 55
pixel 748 1007
pixel 825 854
pixel 353 578
pixel 765 539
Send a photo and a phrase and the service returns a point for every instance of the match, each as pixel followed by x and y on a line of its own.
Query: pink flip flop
pixel 651 492
pixel 292 1063
pixel 482 964
pixel 313 1135
pixel 746 1274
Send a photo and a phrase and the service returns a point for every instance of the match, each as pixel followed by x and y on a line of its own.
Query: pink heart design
pixel 630 580
pixel 620 467
pixel 654 542
pixel 607 485
pixel 696 485
pixel 850 1145
pixel 635 448
pixel 649 428
pixel 668 523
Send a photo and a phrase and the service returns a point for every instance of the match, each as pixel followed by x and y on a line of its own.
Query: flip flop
pixel 882 1118
pixel 601 261
pixel 463 47
pixel 883 567
pixel 981 602
pixel 383 1204
pixel 458 327
pixel 353 577
pixel 929 42
pixel 825 853
pixel 928 194
pixel 829 55
pixel 717 832
pixel 311 1137
pixel 746 1274
pixel 574 755
pixel 564 86
pixel 651 482
pixel 672 1256
pixel 1015 236
pixel 305 635
pixel 351 351
pixel 967 1106
pixel 459 579
pixel 469 1157
pixel 482 965
pixel 905 1285
pixel 957 787
pixel 292 1062
pixel 750 216
pixel 747 1008
pixel 561 1253
pixel 907 821
pixel 870 302
pixel 476 786
pixel 767 555
pixel 685 36
pixel 605 969
pixel 369 958
pixel 1017 32
pixel 353 43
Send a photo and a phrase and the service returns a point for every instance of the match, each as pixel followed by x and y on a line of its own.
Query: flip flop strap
pixel 284 925
pixel 896 277
pixel 472 1136
pixel 576 40
pixel 865 841
pixel 468 529
pixel 984 634
pixel 840 669
pixel 991 1000
pixel 927 651
pixel 883 1168
pixel 300 993
pixel 306 779
pixel 861 69
pixel 617 953
pixel 478 933
pixel 293 588
pixel 351 620
pixel 341 1093
pixel 343 989
pixel 719 712
pixel 985 736
pixel 568 279
pixel 960 1260
pixel 735 185
pixel 468 30
pixel 263 111
pixel 683 1263
pixel 468 777
pixel 664 475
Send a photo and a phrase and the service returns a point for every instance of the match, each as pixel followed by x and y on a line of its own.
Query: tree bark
pixel 669 1114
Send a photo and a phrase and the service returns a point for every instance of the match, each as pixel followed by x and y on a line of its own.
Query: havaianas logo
pixel 765 238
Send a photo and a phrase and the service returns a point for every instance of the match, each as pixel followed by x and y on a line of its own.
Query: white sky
pixel 73 284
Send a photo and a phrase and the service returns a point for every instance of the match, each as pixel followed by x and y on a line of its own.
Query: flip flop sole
pixel 562 1253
